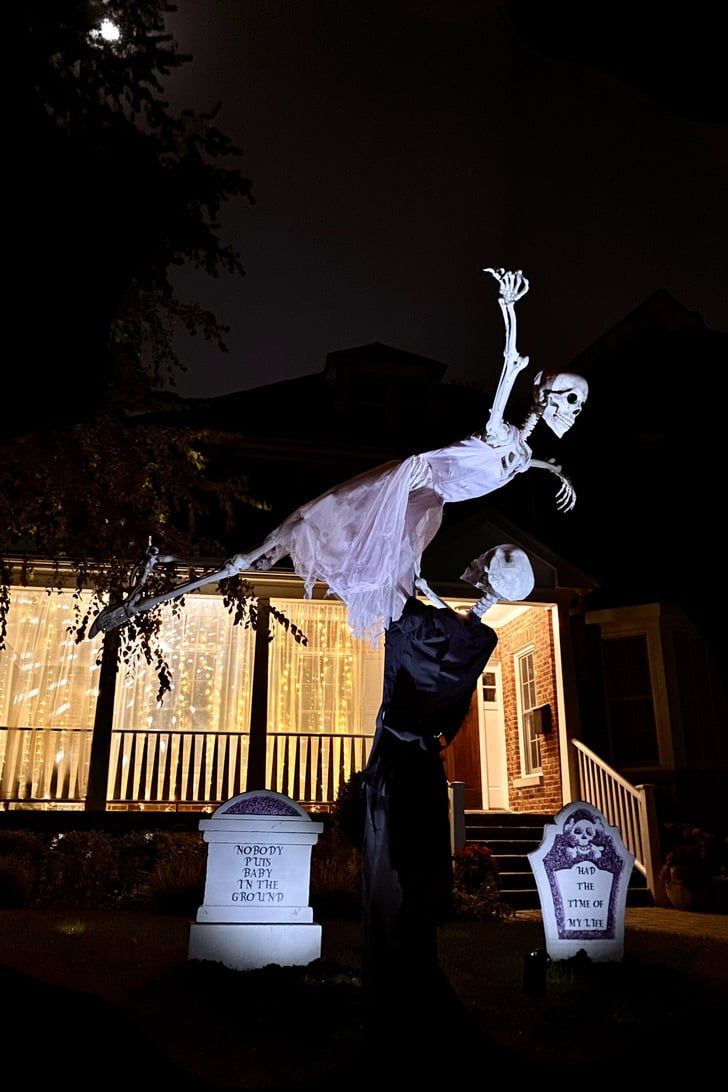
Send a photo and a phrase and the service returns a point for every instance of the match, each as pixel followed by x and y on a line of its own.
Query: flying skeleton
pixel 558 398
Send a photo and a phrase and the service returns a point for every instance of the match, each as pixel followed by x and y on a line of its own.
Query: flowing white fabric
pixel 365 537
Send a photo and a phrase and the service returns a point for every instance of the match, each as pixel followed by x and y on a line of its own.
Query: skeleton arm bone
pixel 566 496
pixel 478 609
pixel 423 587
pixel 512 287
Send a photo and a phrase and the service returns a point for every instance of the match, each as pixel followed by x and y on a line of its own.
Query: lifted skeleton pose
pixel 365 537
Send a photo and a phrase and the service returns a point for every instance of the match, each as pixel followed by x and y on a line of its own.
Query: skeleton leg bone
pixel 135 603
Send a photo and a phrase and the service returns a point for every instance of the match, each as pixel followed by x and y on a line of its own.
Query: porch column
pixel 98 772
pixel 259 701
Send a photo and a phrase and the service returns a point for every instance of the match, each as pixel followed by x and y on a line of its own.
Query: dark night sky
pixel 398 147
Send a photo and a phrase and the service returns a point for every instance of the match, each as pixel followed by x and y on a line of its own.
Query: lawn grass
pixel 109 997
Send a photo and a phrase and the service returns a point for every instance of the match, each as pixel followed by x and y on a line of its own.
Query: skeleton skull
pixel 581 833
pixel 504 571
pixel 560 398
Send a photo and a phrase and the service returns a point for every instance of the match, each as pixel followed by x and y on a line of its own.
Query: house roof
pixel 471 528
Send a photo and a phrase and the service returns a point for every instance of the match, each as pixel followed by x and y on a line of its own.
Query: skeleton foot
pixel 135 602
pixel 110 618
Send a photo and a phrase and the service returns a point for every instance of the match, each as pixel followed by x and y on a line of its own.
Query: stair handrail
pixel 630 808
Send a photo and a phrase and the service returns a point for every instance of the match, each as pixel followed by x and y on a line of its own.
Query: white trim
pixel 496 669
pixel 529 649
pixel 528 781
pixel 564 756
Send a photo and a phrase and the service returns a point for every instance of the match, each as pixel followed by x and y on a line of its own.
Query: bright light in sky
pixel 109 31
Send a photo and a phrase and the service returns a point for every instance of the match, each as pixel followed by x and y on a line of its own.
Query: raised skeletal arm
pixel 513 286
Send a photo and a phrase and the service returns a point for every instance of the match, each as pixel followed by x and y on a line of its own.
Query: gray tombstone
pixel 255 909
pixel 582 870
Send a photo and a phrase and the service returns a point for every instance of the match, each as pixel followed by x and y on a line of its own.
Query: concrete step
pixel 512 836
pixel 517 881
pixel 478 819
pixel 502 847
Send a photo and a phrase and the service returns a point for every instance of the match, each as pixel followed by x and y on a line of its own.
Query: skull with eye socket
pixel 559 398
pixel 580 832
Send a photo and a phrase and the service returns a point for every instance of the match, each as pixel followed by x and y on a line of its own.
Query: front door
pixel 462 757
pixel 493 740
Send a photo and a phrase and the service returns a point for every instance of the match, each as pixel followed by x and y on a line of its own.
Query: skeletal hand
pixel 512 285
pixel 566 496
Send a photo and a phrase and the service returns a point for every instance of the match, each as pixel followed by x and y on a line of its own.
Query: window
pixel 629 696
pixel 330 686
pixel 490 686
pixel 323 699
pixel 48 692
pixel 47 679
pixel 211 661
pixel 527 720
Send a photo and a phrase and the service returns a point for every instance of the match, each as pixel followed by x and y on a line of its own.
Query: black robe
pixel 433 659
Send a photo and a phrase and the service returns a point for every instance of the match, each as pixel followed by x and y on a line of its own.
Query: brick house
pixel 603 661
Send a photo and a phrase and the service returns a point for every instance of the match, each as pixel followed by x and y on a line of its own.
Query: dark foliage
pixel 114 192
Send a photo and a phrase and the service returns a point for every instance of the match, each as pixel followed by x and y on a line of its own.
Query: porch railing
pixel 209 767
pixel 630 808
pixel 176 769
pixel 44 764
pixel 314 767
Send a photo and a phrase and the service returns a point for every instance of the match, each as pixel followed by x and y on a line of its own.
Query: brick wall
pixel 531 629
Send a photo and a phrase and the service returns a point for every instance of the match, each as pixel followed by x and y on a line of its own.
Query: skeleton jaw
pixel 560 397
pixel 556 421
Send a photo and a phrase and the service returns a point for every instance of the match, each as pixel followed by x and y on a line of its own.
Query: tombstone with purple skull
pixel 582 870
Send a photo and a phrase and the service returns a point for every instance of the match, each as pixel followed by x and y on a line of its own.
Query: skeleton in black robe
pixel 433 659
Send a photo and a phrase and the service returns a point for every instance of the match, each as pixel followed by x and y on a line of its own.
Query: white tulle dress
pixel 365 537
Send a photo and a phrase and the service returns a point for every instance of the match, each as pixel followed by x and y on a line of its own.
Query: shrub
pixel 476 889
pixel 336 875
pixel 80 869
pixel 136 854
pixel 21 853
pixel 698 860
pixel 93 870
pixel 175 883
pixel 474 866
pixel 174 887
pixel 17 882
pixel 349 809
